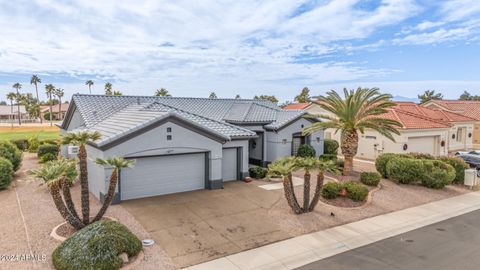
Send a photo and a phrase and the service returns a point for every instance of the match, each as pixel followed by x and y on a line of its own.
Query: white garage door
pixel 160 175
pixel 229 164
pixel 425 145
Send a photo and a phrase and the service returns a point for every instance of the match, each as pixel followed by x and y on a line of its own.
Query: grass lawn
pixel 43 132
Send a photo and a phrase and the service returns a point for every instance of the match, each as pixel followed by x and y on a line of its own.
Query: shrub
pixel 46 116
pixel 97 246
pixel 257 172
pixel 21 144
pixel 438 174
pixel 48 157
pixel 383 159
pixel 370 178
pixel 49 141
pixel 331 190
pixel 340 163
pixel 9 151
pixel 421 156
pixel 33 143
pixel 405 170
pixel 459 165
pixel 306 150
pixel 327 157
pixel 356 191
pixel 6 172
pixel 47 149
pixel 330 147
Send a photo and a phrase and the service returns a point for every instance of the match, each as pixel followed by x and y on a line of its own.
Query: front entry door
pixel 297 140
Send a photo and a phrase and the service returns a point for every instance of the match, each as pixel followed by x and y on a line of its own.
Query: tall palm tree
pixel 81 139
pixel 11 96
pixel 429 95
pixel 162 92
pixel 356 111
pixel 50 91
pixel 36 80
pixel 18 86
pixel 57 175
pixel 59 92
pixel 116 164
pixel 108 89
pixel 89 83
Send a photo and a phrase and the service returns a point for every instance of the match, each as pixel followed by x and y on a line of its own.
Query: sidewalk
pixel 301 250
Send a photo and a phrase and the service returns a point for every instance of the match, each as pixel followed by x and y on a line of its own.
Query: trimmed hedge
pixel 370 178
pixel 405 170
pixel 330 147
pixel 44 149
pixel 21 144
pixel 6 172
pixel 48 157
pixel 459 165
pixel 383 159
pixel 9 151
pixel 97 246
pixel 257 172
pixel 328 157
pixel 421 156
pixel 437 174
pixel 355 190
pixel 306 150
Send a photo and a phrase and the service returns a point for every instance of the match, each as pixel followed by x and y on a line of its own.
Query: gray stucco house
pixel 183 144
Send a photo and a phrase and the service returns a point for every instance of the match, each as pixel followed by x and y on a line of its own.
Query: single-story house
pixel 183 144
pixel 469 108
pixel 10 113
pixel 423 130
pixel 58 110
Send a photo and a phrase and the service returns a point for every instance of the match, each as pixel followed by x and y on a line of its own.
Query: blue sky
pixel 242 47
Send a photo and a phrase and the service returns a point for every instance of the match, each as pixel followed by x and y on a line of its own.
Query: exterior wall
pixel 244 145
pixel 464 142
pixel 76 121
pixel 476 136
pixel 184 140
pixel 98 176
pixel 279 143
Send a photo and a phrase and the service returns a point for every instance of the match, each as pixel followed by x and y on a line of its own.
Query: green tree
pixel 162 92
pixel 116 164
pixel 50 91
pixel 89 83
pixel 304 96
pixel 430 95
pixel 36 80
pixel 117 93
pixel 59 93
pixel 11 96
pixel 108 89
pixel 358 110
pixel 18 86
pixel 80 139
pixel 212 95
pixel 237 96
pixel 266 97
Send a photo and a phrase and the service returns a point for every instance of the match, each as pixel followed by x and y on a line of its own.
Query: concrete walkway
pixel 302 250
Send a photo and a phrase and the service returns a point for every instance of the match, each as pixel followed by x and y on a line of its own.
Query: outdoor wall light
pixel 453 136
pixel 284 141
pixel 469 135
pixel 405 147
pixel 442 143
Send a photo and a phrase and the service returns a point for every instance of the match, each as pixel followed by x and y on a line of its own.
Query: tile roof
pixel 100 112
pixel 55 108
pixel 441 115
pixel 411 120
pixel 296 106
pixel 7 109
pixel 470 108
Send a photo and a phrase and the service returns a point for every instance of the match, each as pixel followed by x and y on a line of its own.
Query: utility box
pixel 470 177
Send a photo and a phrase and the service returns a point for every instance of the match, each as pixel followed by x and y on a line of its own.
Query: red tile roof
pixel 411 120
pixel 470 108
pixel 296 106
pixel 55 107
pixel 442 115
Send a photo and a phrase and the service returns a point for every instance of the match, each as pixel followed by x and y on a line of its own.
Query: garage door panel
pixel 422 144
pixel 229 164
pixel 153 176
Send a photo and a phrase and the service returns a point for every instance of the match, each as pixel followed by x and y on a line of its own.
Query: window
pixel 169 129
pixel 169 137
pixel 371 137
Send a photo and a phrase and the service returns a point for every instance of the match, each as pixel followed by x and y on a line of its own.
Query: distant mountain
pixel 400 98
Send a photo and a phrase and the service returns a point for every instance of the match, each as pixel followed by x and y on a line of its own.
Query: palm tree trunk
pixel 306 191
pixel 85 196
pixel 18 109
pixel 318 189
pixel 57 199
pixel 90 89
pixel 68 198
pixel 108 199
pixel 36 90
pixel 290 194
pixel 349 150
pixel 51 116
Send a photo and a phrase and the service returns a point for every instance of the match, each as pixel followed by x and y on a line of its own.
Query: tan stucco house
pixel 424 130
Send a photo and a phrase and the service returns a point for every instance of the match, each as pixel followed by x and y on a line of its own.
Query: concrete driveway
pixel 198 226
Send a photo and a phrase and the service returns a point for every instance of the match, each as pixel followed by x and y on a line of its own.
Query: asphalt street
pixel 451 244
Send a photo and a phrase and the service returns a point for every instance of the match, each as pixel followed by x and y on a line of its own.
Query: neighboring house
pixel 58 111
pixel 10 114
pixel 424 130
pixel 470 108
pixel 183 144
